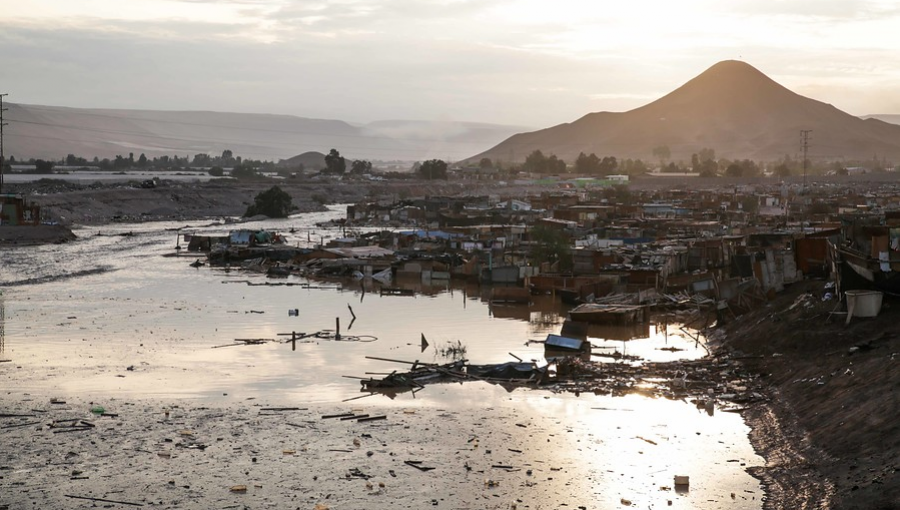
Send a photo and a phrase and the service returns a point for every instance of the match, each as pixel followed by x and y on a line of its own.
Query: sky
pixel 533 63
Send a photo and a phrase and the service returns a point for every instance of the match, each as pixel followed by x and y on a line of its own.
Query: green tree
pixel 273 203
pixel 485 163
pixel 782 170
pixel 216 171
pixel 433 169
pixel 335 163
pixel 551 245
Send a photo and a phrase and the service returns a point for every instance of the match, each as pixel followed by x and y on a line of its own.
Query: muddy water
pixel 110 316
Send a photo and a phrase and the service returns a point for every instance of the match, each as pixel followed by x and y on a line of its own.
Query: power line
pixel 2 160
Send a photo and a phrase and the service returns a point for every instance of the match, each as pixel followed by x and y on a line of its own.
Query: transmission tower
pixel 2 159
pixel 804 145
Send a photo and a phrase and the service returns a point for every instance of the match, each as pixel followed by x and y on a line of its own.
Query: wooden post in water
pixel 337 328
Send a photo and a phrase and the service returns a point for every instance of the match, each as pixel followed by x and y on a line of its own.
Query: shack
pixel 16 211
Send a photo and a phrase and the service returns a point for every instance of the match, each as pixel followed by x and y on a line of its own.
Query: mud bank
pixel 32 235
pixel 99 204
pixel 829 432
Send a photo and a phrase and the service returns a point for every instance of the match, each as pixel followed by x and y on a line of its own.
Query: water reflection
pixel 132 307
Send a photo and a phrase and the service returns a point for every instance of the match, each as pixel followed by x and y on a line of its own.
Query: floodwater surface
pixel 111 316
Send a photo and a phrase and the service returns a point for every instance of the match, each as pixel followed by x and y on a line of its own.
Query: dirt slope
pixel 831 433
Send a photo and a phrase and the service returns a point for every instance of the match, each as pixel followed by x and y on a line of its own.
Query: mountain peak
pixel 731 107
pixel 732 76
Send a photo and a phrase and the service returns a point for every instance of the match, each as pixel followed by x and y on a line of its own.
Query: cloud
pixel 507 61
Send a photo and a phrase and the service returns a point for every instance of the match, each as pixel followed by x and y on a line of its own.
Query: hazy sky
pixel 524 62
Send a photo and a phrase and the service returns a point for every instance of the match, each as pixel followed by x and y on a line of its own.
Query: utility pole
pixel 804 145
pixel 2 159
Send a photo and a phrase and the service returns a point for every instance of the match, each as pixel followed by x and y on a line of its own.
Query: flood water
pixel 110 316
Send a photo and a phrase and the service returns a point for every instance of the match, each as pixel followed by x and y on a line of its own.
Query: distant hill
pixel 53 132
pixel 889 118
pixel 311 160
pixel 732 108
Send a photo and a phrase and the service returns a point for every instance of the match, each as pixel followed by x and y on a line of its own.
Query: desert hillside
pixel 36 131
pixel 732 108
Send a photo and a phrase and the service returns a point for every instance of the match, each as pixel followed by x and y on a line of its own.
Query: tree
pixel 734 170
pixel 535 162
pixel 782 170
pixel 634 167
pixel 202 160
pixel 72 160
pixel 359 167
pixel 708 168
pixel 551 245
pixel 142 161
pixel 485 164
pixel 663 153
pixel 335 163
pixel 241 172
pixel 555 165
pixel 433 169
pixel 585 164
pixel 216 171
pixel 273 203
pixel 43 167
pixel 608 165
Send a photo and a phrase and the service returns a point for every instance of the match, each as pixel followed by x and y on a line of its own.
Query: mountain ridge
pixel 41 131
pixel 732 107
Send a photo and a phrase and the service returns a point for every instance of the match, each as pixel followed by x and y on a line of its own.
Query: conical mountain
pixel 732 108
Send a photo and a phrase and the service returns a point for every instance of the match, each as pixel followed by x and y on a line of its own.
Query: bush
pixel 273 203
pixel 242 172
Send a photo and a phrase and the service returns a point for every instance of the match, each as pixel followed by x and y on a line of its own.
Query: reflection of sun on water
pixel 632 448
